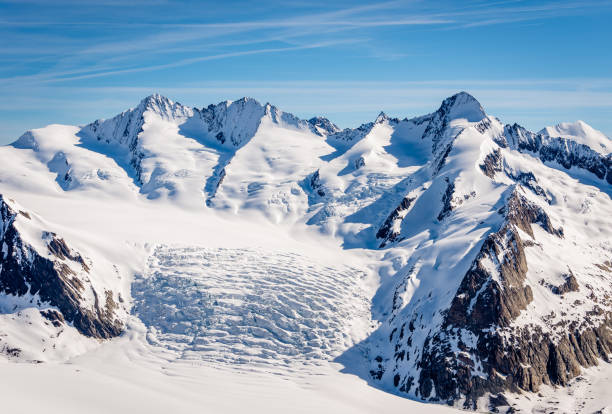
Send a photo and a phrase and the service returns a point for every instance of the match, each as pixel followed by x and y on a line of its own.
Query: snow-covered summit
pixel 582 133
pixel 462 105
pixel 231 123
pixel 382 117
pixel 163 107
pixel 323 125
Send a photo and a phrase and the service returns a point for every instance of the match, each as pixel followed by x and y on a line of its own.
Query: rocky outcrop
pixel 492 163
pixel 479 350
pixel 323 126
pixel 389 231
pixel 566 152
pixel 315 185
pixel 221 121
pixel 350 135
pixel 447 199
pixel 522 213
pixel 58 277
pixel 528 180
pixel 570 285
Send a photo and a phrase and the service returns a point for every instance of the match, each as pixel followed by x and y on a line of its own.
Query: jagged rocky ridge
pixel 563 151
pixel 57 277
pixel 123 130
pixel 476 342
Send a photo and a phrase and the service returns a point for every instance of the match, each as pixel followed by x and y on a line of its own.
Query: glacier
pixel 447 258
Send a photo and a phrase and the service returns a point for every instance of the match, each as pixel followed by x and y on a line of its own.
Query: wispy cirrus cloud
pixel 78 56
pixel 143 39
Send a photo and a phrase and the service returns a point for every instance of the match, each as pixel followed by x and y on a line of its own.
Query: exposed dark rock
pixel 351 135
pixel 214 182
pixel 128 137
pixel 441 160
pixel 55 317
pixel 215 118
pixel 124 129
pixel 323 124
pixel 605 266
pixel 566 152
pixel 522 213
pixel 441 119
pixel 220 137
pixel 386 232
pixel 10 351
pixel 497 401
pixel 315 184
pixel 359 163
pixel 483 125
pixel 492 163
pixel 490 355
pixel 379 369
pixel 570 285
pixel 529 180
pixel 447 199
pixel 25 271
pixel 58 247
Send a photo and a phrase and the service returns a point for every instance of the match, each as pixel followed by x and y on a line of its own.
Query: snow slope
pixel 257 248
pixel 582 133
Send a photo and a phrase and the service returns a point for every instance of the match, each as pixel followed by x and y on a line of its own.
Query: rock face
pixel 487 299
pixel 57 277
pixel 389 231
pixel 459 106
pixel 478 349
pixel 564 151
pixel 492 164
pixel 323 126
pixel 221 121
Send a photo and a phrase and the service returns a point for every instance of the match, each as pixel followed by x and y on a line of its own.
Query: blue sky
pixel 532 62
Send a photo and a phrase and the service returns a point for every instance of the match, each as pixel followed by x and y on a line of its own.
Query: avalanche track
pixel 249 308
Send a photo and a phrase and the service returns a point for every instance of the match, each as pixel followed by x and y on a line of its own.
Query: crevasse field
pixel 228 315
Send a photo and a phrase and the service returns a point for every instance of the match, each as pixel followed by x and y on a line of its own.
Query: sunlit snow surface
pixel 248 308
pixel 247 243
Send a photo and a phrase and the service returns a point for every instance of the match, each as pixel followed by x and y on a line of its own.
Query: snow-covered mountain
pixel 488 247
pixel 50 289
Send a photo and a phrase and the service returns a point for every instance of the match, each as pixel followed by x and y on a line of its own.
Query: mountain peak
pixel 463 105
pixel 382 117
pixel 578 128
pixel 323 125
pixel 155 99
pixel 164 107
pixel 582 133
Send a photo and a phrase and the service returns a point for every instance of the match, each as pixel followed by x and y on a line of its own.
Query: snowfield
pixel 253 261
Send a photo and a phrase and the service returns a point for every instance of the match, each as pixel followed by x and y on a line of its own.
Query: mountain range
pixel 479 253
